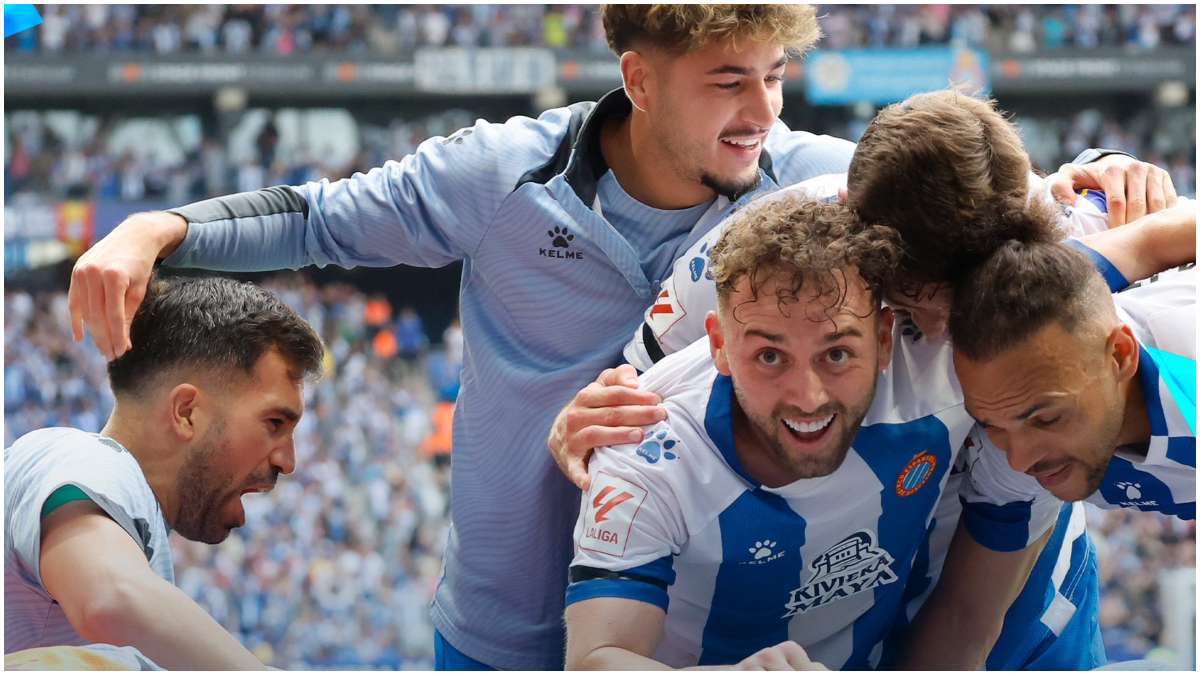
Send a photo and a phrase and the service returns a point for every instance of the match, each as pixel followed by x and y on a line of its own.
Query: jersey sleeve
pixel 1002 509
pixel 117 495
pixel 428 209
pixel 676 319
pixel 630 524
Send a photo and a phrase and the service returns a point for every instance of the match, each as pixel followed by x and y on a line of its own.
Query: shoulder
pixel 800 155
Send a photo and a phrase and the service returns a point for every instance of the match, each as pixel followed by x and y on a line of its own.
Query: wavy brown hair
pixel 946 170
pixel 686 28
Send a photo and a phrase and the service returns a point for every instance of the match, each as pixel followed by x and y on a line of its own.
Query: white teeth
pixel 742 144
pixel 808 427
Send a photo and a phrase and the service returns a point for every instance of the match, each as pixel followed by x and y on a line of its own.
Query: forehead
pixel 740 50
pixel 1051 360
pixel 834 303
pixel 271 382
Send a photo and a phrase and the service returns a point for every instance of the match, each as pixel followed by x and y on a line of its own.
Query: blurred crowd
pixel 389 29
pixel 337 566
pixel 96 166
pixel 1135 549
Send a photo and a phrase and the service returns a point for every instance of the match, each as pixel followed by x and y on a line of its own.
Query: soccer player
pixel 205 409
pixel 592 201
pixel 787 496
pixel 1092 394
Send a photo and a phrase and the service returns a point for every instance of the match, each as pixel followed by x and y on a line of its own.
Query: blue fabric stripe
pixel 718 422
pixel 662 569
pixel 1179 374
pixel 1097 198
pixel 743 617
pixel 998 527
pixel 903 522
pixel 1148 376
pixel 919 580
pixel 617 588
pixel 1112 276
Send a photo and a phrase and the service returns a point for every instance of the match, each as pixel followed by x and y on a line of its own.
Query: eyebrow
pixel 730 69
pixel 1029 412
pixel 770 337
pixel 282 411
pixel 849 331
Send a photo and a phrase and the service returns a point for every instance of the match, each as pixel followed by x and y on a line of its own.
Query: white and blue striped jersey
pixel 824 561
pixel 1162 313
pixel 676 318
pixel 35 466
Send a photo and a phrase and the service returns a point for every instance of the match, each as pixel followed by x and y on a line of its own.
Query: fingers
pixel 115 286
pixel 94 317
pixel 1135 191
pixel 1063 182
pixel 1112 182
pixel 1169 196
pixel 624 375
pixel 579 418
pixel 1156 198
pixel 598 396
pixel 76 303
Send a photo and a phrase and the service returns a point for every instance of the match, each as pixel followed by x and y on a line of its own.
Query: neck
pixel 128 426
pixel 643 169
pixel 1135 425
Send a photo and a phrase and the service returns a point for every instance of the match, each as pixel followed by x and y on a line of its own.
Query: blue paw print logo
pixel 1132 490
pixel 699 265
pixel 658 445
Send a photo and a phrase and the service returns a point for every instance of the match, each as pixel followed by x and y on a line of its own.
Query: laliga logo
pixel 610 514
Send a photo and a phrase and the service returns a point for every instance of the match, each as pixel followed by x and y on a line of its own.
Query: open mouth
pixel 811 430
pixel 742 144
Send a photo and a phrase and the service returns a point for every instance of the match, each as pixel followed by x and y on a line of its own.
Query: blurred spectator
pixel 298 29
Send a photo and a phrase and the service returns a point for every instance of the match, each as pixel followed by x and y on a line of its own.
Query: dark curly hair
pixel 814 243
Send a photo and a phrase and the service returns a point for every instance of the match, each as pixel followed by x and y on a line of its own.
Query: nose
pixel 762 105
pixel 808 391
pixel 1022 452
pixel 284 456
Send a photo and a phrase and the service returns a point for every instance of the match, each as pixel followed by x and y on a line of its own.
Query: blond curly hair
pixel 808 243
pixel 686 28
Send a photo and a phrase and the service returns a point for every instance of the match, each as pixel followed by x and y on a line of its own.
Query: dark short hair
pixel 945 170
pixel 810 242
pixel 212 323
pixel 1022 288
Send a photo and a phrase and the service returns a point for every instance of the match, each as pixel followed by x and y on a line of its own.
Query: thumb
pixel 1062 184
pixel 627 375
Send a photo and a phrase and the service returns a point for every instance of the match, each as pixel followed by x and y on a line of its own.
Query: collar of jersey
pixel 718 422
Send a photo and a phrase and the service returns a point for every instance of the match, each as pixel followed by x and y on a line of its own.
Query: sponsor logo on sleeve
pixel 612 505
pixel 666 311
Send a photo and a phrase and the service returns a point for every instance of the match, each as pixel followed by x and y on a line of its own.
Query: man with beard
pixel 205 410
pixel 1092 394
pixel 785 499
